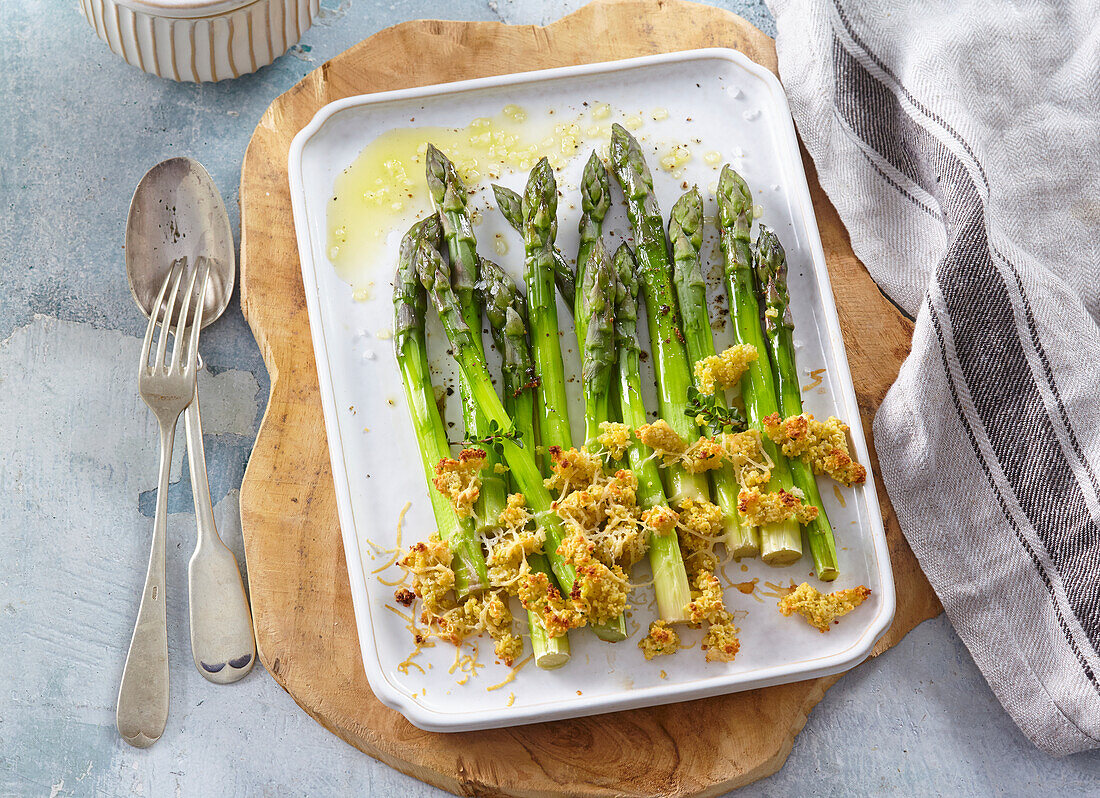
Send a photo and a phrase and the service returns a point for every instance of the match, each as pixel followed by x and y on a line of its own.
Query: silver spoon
pixel 177 212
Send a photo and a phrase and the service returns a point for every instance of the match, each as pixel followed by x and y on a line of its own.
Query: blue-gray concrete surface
pixel 77 458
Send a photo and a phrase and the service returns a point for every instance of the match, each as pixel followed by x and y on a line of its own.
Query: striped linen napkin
pixel 960 142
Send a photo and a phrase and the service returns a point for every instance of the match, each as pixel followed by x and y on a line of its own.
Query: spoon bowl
pixel 177 211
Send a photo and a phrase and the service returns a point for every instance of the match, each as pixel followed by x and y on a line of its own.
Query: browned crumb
pixel 822 609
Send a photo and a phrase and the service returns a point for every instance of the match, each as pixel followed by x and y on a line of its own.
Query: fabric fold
pixel 960 149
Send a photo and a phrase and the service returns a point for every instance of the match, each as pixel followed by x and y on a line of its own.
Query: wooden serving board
pixel 301 601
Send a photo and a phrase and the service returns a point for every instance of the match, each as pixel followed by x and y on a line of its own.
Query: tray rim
pixel 438 721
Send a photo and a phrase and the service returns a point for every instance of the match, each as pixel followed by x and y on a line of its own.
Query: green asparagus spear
pixel 410 346
pixel 511 205
pixel 670 580
pixel 540 207
pixel 780 544
pixel 666 338
pixel 596 306
pixel 685 232
pixel 506 311
pixel 771 272
pixel 449 196
pixel 595 201
pixel 435 275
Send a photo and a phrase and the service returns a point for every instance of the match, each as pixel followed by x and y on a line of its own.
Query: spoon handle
pixel 143 695
pixel 222 641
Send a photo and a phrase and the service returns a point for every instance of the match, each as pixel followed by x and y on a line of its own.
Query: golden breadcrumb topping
pixel 572 468
pixel 703 455
pixel 661 519
pixel 459 480
pixel 721 642
pixel 745 452
pixel 430 566
pixel 661 640
pixel 822 609
pixel 700 526
pixel 661 438
pixel 615 438
pixel 599 593
pixel 545 600
pixel 445 617
pixel 508 549
pixel 757 508
pixel 707 603
pixel 508 648
pixel 725 369
pixel 604 512
pixel 823 445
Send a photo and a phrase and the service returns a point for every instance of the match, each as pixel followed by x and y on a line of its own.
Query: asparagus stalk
pixel 780 544
pixel 449 196
pixel 595 201
pixel 435 276
pixel 771 272
pixel 670 581
pixel 685 232
pixel 596 307
pixel 540 207
pixel 410 346
pixel 670 358
pixel 506 311
pixel 511 205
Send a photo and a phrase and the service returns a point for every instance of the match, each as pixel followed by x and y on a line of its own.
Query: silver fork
pixel 167 387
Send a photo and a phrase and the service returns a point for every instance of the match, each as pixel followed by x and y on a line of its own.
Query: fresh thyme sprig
pixel 707 411
pixel 495 439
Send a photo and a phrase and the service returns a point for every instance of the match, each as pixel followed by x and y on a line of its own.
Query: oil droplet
pixel 757 211
pixel 601 111
pixel 633 122
pixel 713 158
pixel 839 496
pixel 500 245
pixel 659 114
pixel 515 113
pixel 360 295
pixel 748 588
pixel 677 157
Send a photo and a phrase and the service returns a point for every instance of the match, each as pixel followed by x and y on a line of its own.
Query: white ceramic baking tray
pixel 717 100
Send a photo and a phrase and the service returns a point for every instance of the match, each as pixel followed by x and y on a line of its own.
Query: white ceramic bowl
pixel 199 40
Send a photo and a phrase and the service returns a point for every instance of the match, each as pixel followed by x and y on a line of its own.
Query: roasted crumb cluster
pixel 605 535
pixel 822 609
pixel 742 450
pixel 823 445
pixel 725 369
pixel 445 616
pixel 602 509
pixel 700 527
pixel 615 438
pixel 757 508
pixel 662 640
pixel 460 480
pixel 720 641
pixel 507 558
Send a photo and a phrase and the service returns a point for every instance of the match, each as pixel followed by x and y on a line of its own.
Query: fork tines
pixel 188 321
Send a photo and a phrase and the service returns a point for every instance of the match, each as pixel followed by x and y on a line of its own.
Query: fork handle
pixel 143 696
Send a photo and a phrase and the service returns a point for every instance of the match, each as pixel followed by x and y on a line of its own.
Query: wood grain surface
pixel 301 600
